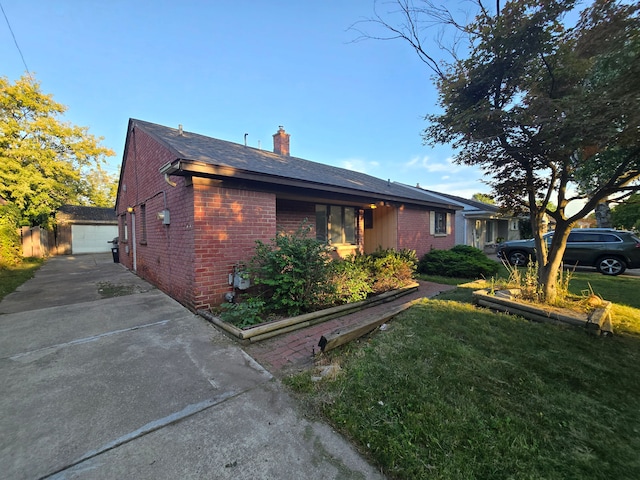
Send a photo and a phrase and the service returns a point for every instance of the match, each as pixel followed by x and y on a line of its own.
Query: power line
pixel 15 41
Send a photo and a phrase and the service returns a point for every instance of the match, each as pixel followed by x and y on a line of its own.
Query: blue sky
pixel 224 68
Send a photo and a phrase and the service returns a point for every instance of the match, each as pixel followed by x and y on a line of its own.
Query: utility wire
pixel 15 41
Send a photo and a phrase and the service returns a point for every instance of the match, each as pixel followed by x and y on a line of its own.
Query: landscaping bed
pixel 597 320
pixel 266 330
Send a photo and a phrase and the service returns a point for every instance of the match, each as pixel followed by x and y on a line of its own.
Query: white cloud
pixel 431 166
pixel 359 165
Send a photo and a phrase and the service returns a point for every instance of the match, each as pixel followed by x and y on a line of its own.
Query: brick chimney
pixel 281 142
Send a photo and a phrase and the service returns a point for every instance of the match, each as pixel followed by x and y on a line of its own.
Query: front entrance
pixel 382 232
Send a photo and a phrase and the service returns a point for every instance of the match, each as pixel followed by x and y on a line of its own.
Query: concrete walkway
pixel 98 386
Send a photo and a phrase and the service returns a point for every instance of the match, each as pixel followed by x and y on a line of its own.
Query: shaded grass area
pixel 453 391
pixel 11 278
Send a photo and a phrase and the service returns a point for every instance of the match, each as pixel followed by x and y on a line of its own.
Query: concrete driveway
pixel 105 377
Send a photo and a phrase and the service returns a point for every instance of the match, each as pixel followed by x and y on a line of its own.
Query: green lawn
pixel 624 290
pixel 454 391
pixel 12 278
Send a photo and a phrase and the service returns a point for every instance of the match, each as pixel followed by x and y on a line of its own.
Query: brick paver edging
pixel 299 349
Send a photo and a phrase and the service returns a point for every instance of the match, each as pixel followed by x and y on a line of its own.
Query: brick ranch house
pixel 190 209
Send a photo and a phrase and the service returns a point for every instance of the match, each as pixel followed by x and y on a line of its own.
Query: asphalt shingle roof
pixel 195 147
pixel 487 207
pixel 82 213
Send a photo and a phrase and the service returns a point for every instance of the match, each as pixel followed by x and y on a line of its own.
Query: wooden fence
pixel 35 242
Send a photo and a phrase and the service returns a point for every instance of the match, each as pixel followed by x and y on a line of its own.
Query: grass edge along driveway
pixel 12 277
pixel 454 391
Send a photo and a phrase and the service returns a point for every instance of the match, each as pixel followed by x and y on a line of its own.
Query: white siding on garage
pixel 92 238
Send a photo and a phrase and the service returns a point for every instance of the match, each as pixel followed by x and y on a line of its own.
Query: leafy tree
pixel 10 248
pixel 44 162
pixel 539 106
pixel 627 213
pixel 101 188
pixel 484 198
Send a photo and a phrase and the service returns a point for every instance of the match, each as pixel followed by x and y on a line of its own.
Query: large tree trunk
pixel 549 265
pixel 548 280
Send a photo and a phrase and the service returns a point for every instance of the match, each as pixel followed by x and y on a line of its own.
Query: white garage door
pixel 92 238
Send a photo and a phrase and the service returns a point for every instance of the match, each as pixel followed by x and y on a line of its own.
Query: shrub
pixel 294 270
pixel 462 261
pixel 10 247
pixel 244 314
pixel 351 280
pixel 295 274
pixel 391 269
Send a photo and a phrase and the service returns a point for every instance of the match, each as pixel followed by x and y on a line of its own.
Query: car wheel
pixel 611 266
pixel 518 258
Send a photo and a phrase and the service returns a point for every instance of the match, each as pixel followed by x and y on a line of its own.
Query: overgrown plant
pixel 391 269
pixel 294 270
pixel 294 273
pixel 245 314
pixel 526 280
pixel 351 280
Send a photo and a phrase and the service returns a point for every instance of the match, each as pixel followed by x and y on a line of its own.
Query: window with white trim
pixel 439 223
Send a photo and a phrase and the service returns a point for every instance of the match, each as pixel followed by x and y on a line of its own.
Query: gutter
pixel 181 167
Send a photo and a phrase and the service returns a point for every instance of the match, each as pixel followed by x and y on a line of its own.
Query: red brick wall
pixel 165 259
pixel 227 223
pixel 291 214
pixel 414 232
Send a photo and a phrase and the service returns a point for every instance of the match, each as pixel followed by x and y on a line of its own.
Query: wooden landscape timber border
pixel 344 335
pixel 598 321
pixel 272 329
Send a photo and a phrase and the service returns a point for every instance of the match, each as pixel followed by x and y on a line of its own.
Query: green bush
pixel 244 314
pixel 294 271
pixel 391 269
pixel 10 247
pixel 351 280
pixel 462 261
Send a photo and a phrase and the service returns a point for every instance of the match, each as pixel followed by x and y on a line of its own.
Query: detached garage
pixel 84 230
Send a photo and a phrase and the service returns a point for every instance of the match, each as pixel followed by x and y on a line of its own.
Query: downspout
pixel 171 183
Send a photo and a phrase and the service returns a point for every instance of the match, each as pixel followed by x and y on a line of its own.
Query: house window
pixel 143 214
pixel 335 224
pixel 439 223
pixel 125 230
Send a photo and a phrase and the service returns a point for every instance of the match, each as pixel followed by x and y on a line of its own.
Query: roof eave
pixel 182 167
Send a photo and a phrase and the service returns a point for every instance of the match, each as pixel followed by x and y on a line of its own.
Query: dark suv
pixel 610 251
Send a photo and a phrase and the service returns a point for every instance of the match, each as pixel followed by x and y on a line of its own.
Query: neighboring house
pixel 82 229
pixel 480 224
pixel 191 208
